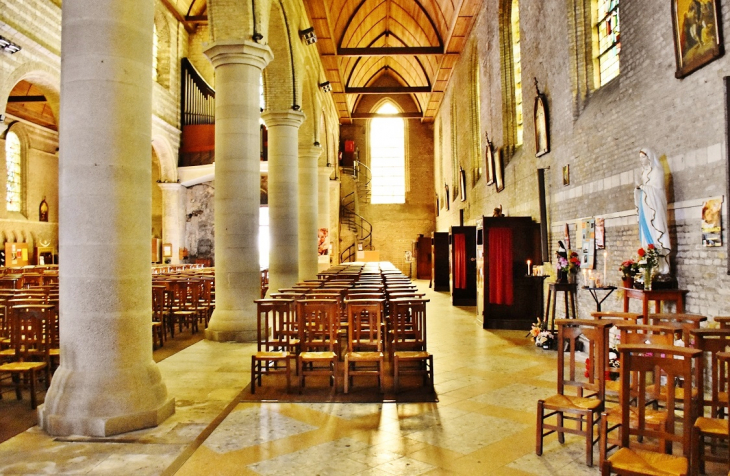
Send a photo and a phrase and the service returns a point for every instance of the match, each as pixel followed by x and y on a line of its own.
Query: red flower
pixel 651 246
pixel 641 252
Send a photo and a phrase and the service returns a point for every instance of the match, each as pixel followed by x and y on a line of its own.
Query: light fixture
pixel 296 107
pixel 8 46
pixel 326 86
pixel 308 36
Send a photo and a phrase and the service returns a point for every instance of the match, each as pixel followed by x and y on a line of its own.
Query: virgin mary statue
pixel 651 203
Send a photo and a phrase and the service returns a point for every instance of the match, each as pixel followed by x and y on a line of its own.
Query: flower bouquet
pixel 542 336
pixel 648 263
pixel 629 269
pixel 568 265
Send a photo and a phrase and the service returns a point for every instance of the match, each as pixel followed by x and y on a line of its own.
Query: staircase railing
pixel 362 228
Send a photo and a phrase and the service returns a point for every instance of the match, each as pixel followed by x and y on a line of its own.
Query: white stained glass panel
pixel 517 64
pixel 14 179
pixel 387 157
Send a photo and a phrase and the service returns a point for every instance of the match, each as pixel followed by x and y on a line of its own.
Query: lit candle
pixel 529 267
pixel 605 262
pixel 585 283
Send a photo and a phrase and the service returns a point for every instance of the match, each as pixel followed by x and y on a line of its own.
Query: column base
pixel 61 425
pixel 230 336
pixel 232 325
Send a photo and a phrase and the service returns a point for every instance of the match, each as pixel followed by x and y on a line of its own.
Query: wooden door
pixel 464 266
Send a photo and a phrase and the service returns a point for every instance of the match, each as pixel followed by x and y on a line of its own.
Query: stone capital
pixel 225 52
pixel 310 151
pixel 283 118
pixel 169 186
pixel 326 172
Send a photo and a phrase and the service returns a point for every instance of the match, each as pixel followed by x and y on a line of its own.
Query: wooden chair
pixel 611 419
pixel 585 407
pixel 185 305
pixel 30 341
pixel 318 321
pixel 628 317
pixel 684 323
pixel 714 342
pixel 159 330
pixel 644 367
pixel 275 346
pixel 364 340
pixel 408 341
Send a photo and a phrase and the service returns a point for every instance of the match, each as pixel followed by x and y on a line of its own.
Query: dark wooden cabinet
pixel 512 299
pixel 440 261
pixel 463 265
pixel 423 257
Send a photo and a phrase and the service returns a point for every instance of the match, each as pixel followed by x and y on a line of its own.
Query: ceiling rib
pixel 391 51
pixel 388 90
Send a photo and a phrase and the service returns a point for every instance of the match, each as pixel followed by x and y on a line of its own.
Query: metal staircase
pixel 349 207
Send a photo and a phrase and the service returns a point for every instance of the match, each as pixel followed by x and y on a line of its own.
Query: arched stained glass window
pixel 14 164
pixel 517 65
pixel 609 40
pixel 387 157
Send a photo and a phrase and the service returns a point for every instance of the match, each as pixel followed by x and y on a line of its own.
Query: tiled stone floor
pixel 488 384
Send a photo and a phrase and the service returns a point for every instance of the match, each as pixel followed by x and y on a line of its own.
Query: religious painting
pixel 542 140
pixel 43 210
pixel 600 233
pixel 712 222
pixel 697 35
pixel 490 162
pixel 167 250
pixel 462 184
pixel 322 241
pixel 446 187
pixel 566 175
pixel 498 170
pixel 566 236
pixel 588 243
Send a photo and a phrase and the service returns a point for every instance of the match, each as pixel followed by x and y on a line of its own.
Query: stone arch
pixel 162 63
pixel 282 77
pixel 46 78
pixel 166 155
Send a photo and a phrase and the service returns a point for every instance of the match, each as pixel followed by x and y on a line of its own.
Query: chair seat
pixel 317 355
pixel 364 356
pixel 412 355
pixel 649 463
pixel 272 355
pixel 678 393
pixel 652 417
pixel 712 426
pixel 722 397
pixel 22 366
pixel 54 352
pixel 565 402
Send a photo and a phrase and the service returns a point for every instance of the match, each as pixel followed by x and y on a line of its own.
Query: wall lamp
pixel 326 86
pixel 8 46
pixel 308 36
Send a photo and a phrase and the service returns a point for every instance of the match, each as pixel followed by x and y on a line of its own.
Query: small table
pixel 569 290
pixel 659 295
pixel 610 289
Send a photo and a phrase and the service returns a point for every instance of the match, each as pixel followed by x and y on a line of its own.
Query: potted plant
pixel 629 269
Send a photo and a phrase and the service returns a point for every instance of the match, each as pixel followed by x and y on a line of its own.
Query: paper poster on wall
pixel 712 222
pixel 600 234
pixel 588 243
pixel 323 246
pixel 566 236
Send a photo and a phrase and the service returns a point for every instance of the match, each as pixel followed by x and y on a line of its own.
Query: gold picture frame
pixel 697 34
pixel 499 169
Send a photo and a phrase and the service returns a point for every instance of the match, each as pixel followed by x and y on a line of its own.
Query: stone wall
pixel 598 132
pixel 199 221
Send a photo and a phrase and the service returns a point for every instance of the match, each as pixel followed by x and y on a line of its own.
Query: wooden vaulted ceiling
pixel 415 42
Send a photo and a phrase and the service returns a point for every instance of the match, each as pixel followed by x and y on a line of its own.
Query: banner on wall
pixel 588 243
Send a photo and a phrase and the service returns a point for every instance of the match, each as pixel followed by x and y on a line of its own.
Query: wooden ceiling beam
pixel 388 90
pixel 196 18
pixel 27 99
pixel 391 51
pixel 178 16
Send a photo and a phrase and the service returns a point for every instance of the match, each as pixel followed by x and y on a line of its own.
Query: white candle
pixel 585 283
pixel 605 262
pixel 529 267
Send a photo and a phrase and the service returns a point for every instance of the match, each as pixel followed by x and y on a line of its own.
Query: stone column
pixel 107 382
pixel 171 218
pixel 238 65
pixel 323 209
pixel 283 130
pixel 308 204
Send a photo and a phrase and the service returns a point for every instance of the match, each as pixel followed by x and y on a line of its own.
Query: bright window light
pixel 387 157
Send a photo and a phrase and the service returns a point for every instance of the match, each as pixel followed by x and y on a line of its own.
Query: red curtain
pixel 500 266
pixel 459 261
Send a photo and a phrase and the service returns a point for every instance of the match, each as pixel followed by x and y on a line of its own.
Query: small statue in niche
pixel 498 212
pixel 43 210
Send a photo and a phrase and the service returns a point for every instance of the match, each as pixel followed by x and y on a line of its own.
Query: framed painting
pixel 498 170
pixel 490 162
pixel 566 175
pixel 697 34
pixel 446 187
pixel 542 138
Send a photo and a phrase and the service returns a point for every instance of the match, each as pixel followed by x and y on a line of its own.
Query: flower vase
pixel 561 278
pixel 647 278
pixel 571 278
pixel 628 282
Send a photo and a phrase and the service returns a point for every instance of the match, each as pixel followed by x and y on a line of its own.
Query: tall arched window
pixel 14 164
pixel 517 65
pixel 387 157
pixel 476 128
pixel 609 40
pixel 155 52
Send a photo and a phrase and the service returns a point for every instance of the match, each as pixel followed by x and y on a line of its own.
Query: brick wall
pixel 598 133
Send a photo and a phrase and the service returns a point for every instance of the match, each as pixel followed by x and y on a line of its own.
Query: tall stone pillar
pixel 308 204
pixel 171 226
pixel 238 65
pixel 107 382
pixel 323 210
pixel 283 130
